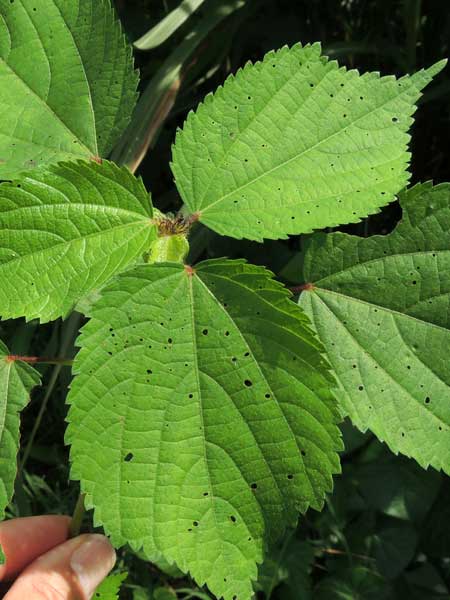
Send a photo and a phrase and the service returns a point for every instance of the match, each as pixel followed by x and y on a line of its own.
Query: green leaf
pixel 109 589
pixel 436 528
pixel 289 563
pixel 381 306
pixel 351 584
pixel 68 86
pixel 201 417
pixel 17 379
pixel 66 231
pixel 395 546
pixel 165 28
pixel 397 486
pixel 163 593
pixel 295 143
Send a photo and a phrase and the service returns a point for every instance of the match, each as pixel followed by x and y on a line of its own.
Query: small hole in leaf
pixel 205 332
pixel 267 395
pixel 290 477
pixel 195 523
pixel 248 383
pixel 360 388
pixel 233 518
pixel 128 457
pixel 427 400
pixel 254 486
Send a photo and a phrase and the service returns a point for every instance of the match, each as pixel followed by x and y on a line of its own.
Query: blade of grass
pixel 165 28
pixel 160 94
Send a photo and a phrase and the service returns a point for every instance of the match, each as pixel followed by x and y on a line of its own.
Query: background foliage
pixel 385 531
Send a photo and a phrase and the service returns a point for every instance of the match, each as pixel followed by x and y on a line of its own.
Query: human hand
pixel 46 565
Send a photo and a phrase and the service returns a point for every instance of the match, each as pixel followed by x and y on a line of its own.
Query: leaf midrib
pixel 42 102
pixel 70 242
pixel 381 307
pixel 39 207
pixel 311 148
pixel 91 103
pixel 321 283
pixel 49 109
pixel 253 119
pixel 269 387
pixel 391 377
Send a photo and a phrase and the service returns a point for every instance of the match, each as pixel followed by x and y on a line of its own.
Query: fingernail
pixel 92 561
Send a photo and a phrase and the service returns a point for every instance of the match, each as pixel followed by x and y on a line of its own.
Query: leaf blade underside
pixel 68 84
pixel 65 231
pixel 381 307
pixel 17 379
pixel 217 429
pixel 295 143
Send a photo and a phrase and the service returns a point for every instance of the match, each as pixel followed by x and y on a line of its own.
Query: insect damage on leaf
pixel 209 408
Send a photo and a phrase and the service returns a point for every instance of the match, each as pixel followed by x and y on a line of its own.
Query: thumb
pixel 70 571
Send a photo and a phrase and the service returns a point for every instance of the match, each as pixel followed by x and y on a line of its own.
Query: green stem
pixel 77 517
pixel 69 331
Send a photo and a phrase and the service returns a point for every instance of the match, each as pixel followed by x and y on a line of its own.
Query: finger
pixel 71 571
pixel 23 540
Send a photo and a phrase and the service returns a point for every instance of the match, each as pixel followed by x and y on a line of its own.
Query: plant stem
pixel 77 517
pixel 69 330
pixel 40 359
pixel 298 289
